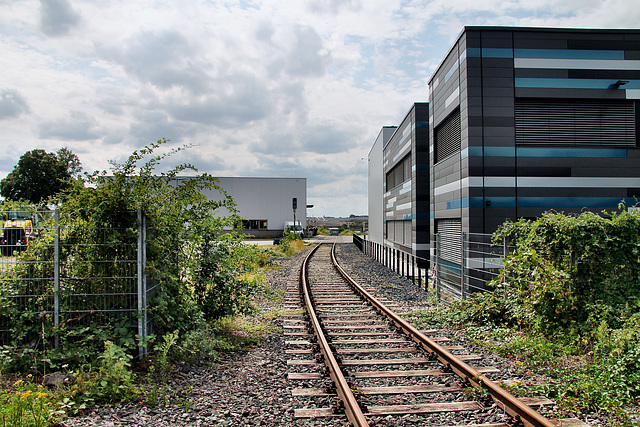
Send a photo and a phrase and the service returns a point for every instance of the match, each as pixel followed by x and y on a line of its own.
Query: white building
pixel 265 203
pixel 376 185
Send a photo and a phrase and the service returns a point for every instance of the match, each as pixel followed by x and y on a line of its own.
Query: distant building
pixel 265 203
pixel 376 185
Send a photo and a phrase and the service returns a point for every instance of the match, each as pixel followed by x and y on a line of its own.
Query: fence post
pixel 142 288
pixel 463 267
pixel 396 261
pixel 385 256
pixel 56 273
pixel 413 269
pixel 437 267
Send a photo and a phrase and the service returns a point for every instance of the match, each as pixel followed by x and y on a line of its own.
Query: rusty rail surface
pixel 351 407
pixel 509 403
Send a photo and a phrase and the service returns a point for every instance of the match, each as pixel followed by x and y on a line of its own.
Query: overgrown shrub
pixel 565 304
pixel 199 271
pixel 575 272
pixel 290 243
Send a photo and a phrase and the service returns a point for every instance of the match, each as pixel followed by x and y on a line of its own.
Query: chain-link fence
pixel 55 276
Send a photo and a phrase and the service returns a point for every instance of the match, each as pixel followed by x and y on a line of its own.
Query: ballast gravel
pixel 251 388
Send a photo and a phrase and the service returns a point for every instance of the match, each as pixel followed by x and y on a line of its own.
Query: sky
pixel 273 88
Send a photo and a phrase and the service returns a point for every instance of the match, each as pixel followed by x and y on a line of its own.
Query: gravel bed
pixel 251 388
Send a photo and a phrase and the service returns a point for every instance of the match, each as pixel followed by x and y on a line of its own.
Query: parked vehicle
pixel 288 226
pixel 17 232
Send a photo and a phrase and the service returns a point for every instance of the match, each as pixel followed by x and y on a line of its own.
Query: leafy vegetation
pixel 290 243
pixel 204 277
pixel 567 305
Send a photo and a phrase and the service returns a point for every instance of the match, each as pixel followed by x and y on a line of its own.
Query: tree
pixel 39 175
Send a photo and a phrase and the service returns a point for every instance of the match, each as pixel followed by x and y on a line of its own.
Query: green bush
pixel 200 272
pixel 575 272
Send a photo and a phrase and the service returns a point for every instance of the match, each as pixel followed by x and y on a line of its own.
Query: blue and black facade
pixel 526 120
pixel 405 157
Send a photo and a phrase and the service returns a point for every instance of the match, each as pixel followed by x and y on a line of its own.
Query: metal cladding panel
pixel 557 105
pixel 265 198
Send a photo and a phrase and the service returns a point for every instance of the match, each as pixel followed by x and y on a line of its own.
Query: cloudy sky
pixel 288 88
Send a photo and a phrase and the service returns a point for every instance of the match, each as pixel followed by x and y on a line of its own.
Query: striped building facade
pixel 406 184
pixel 526 120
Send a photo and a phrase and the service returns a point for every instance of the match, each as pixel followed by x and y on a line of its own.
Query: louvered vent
pixel 450 231
pixel 575 123
pixel 448 137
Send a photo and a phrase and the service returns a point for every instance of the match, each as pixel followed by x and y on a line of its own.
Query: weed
pixel 389 285
pixel 29 405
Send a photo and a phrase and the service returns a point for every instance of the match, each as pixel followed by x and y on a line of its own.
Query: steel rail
pixel 351 407
pixel 509 403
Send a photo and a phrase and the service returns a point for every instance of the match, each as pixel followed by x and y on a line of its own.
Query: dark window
pixel 448 137
pixel 575 122
pixel 400 173
pixel 254 224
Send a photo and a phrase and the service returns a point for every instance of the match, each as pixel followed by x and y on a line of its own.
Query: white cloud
pixel 262 87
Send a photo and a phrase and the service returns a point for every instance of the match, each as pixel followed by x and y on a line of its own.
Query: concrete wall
pixel 267 199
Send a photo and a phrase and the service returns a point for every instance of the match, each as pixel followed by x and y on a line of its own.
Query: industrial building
pixel 402 191
pixel 526 120
pixel 265 204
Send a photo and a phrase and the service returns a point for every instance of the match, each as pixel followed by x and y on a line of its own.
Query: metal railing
pixel 72 283
pixel 403 263
pixel 453 276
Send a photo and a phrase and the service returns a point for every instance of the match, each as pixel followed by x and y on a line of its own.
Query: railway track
pixel 354 360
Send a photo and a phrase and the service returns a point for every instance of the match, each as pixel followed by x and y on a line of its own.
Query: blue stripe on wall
pixel 531 82
pixel 422 125
pixel 572 202
pixel 617 153
pixel 540 202
pixel 499 151
pixel 473 52
pixel 569 54
pixel 448 265
pixel 494 52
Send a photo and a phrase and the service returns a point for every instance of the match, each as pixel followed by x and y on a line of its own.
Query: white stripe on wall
pixel 575 64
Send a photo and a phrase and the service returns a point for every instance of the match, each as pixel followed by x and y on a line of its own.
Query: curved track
pixel 381 366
